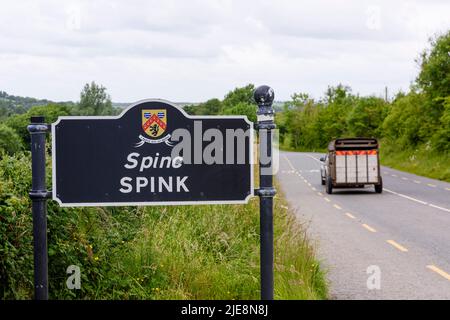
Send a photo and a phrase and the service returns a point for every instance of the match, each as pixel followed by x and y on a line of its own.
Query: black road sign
pixel 152 154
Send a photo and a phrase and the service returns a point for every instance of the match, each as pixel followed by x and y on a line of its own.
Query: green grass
pixel 212 252
pixel 419 161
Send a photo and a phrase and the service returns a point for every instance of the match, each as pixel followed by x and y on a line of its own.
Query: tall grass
pixel 212 252
pixel 420 161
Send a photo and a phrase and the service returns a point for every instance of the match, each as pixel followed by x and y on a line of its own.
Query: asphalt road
pixel 394 245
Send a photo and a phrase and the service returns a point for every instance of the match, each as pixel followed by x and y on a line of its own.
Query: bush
pixel 87 237
pixel 10 142
pixel 19 122
pixel 366 117
pixel 441 139
pixel 243 108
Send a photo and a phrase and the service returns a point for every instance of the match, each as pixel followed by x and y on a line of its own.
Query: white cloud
pixel 195 50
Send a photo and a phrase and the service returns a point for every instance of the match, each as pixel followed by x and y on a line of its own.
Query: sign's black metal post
pixel 39 195
pixel 264 98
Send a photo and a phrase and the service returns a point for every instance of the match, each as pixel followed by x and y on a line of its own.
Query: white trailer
pixel 353 162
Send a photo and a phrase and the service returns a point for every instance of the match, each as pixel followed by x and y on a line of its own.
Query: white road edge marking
pixel 417 200
pixel 327 200
pixel 337 206
pixel 431 185
pixel 313 158
pixel 405 196
pixel 417 181
pixel 437 207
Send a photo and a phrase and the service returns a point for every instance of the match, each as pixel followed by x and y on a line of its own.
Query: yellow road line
pixel 350 215
pixel 314 189
pixel 337 207
pixel 397 246
pixel 327 200
pixel 404 178
pixel 439 271
pixel 448 189
pixel 431 185
pixel 369 228
pixel 320 193
pixel 417 181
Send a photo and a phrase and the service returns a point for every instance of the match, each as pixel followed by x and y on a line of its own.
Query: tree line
pixel 14 137
pixel 417 119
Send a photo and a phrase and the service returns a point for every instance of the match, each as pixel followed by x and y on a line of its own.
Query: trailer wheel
pixel 329 186
pixel 322 181
pixel 379 187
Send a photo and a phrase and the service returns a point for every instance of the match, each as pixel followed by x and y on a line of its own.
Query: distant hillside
pixel 123 105
pixel 15 104
pixel 10 104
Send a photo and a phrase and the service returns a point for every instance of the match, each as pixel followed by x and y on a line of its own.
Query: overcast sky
pixel 198 49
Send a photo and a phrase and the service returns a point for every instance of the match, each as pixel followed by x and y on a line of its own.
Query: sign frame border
pixel 160 203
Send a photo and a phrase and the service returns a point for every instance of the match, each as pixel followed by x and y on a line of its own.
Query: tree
pixel 441 139
pixel 406 124
pixel 366 117
pixel 210 107
pixel 9 140
pixel 19 122
pixel 238 95
pixel 240 102
pixel 434 76
pixel 337 94
pixel 243 108
pixel 94 100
